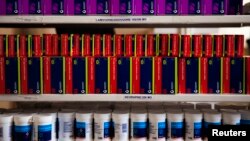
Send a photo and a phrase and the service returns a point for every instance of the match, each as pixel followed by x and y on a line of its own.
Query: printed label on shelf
pixel 127 20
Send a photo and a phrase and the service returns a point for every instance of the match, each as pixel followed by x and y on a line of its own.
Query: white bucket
pixel 193 121
pixel 102 119
pixel 42 127
pixel 23 126
pixel 66 126
pixel 139 125
pixel 157 125
pixel 175 125
pixel 121 124
pixel 6 123
pixel 84 120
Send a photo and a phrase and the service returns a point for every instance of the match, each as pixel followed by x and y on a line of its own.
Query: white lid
pixel 231 117
pixel 214 116
pixel 6 118
pixel 81 116
pixel 175 116
pixel 245 114
pixel 157 114
pixel 193 116
pixel 65 114
pixel 42 118
pixel 23 118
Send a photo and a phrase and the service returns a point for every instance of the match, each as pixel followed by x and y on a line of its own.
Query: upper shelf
pixel 127 21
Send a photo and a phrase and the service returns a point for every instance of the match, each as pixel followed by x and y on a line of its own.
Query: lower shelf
pixel 127 98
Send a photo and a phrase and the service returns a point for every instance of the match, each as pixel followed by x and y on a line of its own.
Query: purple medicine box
pixel 193 7
pixel 145 7
pixel 235 7
pixel 100 7
pixel 33 7
pixel 55 7
pixel 10 7
pixel 122 7
pixel 215 7
pixel 79 7
pixel 168 7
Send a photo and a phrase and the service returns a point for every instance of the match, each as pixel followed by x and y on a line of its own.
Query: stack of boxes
pixel 124 64
pixel 121 7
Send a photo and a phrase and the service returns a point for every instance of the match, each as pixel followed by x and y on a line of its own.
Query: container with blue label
pixel 175 123
pixel 102 123
pixel 6 123
pixel 157 125
pixel 139 125
pixel 83 129
pixel 43 127
pixel 193 121
pixel 22 127
pixel 245 117
pixel 211 117
pixel 120 119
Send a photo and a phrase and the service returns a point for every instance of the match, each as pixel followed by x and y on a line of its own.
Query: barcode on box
pixel 124 128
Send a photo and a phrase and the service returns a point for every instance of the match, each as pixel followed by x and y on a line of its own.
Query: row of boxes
pixel 124 75
pixel 121 7
pixel 172 45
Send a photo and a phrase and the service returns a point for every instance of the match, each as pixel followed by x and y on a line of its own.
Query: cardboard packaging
pixel 216 7
pixel 12 46
pixel 151 44
pixel 174 45
pixel 211 75
pixel 185 47
pixel 166 75
pixel 122 7
pixel 142 75
pixel 195 7
pixel 33 7
pixel 145 7
pixel 79 7
pixel 229 48
pixel 55 45
pixel 207 45
pixel 97 45
pixel 53 75
pixel 119 47
pixel 98 75
pixel 35 48
pixel 163 47
pixel 129 41
pixel 168 7
pixel 56 7
pixel 188 77
pixel 65 45
pixel 235 7
pixel 108 48
pixel 31 75
pixel 239 45
pixel 120 75
pixel 139 45
pixel 197 46
pixel 3 45
pixel 75 45
pixel 22 49
pixel 88 44
pixel 47 44
pixel 2 75
pixel 11 7
pixel 12 75
pixel 100 7
pixel 75 75
pixel 247 74
pixel 233 75
pixel 218 45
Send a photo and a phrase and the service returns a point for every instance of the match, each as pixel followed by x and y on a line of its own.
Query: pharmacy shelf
pixel 126 98
pixel 126 21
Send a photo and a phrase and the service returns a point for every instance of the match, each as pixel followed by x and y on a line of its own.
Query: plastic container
pixel 22 127
pixel 175 125
pixel 66 126
pixel 157 125
pixel 43 127
pixel 245 117
pixel 53 113
pixel 231 118
pixel 211 118
pixel 120 120
pixel 6 122
pixel 138 125
pixel 193 121
pixel 102 119
pixel 83 130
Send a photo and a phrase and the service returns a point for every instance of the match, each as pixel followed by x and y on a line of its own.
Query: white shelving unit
pixel 127 21
pixel 152 21
pixel 126 98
